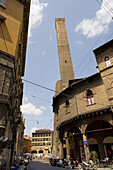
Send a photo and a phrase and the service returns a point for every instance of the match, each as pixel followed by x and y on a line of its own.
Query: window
pixel 90 97
pixel 67 106
pixel 108 62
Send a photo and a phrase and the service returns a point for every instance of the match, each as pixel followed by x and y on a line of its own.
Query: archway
pixel 40 151
pixel 108 146
pixel 93 146
pixel 34 152
pixel 96 132
pixel 74 135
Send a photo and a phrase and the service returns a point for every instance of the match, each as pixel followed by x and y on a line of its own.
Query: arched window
pixel 90 97
pixel 108 62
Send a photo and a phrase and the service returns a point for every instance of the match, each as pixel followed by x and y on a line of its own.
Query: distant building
pixel 27 144
pixel 42 142
pixel 14 19
pixel 83 108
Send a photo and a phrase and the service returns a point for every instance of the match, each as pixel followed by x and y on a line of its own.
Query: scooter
pixel 75 164
pixel 15 167
pixel 87 165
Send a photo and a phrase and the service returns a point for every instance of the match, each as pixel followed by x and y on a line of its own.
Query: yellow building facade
pixel 14 19
pixel 42 140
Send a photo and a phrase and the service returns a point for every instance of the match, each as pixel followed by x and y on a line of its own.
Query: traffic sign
pixel 85 142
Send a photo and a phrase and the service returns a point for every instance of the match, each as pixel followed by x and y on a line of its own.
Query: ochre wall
pixel 78 104
pixel 11 27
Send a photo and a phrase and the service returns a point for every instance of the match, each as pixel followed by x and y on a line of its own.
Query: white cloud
pixel 36 15
pixel 96 25
pixel 33 129
pixel 79 42
pixel 30 109
pixel 43 107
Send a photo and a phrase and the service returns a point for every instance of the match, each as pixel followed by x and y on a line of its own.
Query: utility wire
pixel 107 5
pixel 36 97
pixel 104 8
pixel 35 84
pixel 92 47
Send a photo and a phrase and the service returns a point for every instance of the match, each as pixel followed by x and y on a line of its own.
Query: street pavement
pixel 36 165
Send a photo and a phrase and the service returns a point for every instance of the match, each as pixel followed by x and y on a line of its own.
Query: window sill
pixel 1 5
pixel 90 105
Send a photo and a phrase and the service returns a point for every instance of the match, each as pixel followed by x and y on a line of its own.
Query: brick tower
pixel 66 67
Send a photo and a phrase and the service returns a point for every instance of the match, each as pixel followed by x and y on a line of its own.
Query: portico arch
pixel 74 135
pixel 97 131
pixel 108 146
pixel 40 151
pixel 34 152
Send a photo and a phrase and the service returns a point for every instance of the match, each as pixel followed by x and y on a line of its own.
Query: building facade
pixel 83 108
pixel 20 138
pixel 27 144
pixel 42 142
pixel 14 18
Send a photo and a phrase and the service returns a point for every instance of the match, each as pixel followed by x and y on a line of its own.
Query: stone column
pixel 86 148
pixel 101 148
pixel 67 148
pixel 61 150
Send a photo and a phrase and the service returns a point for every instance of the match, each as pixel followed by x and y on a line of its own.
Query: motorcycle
pixel 15 167
pixel 89 165
pixel 53 162
pixel 75 164
pixel 104 162
pixel 65 163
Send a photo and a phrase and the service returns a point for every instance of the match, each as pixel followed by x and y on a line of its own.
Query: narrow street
pixel 35 165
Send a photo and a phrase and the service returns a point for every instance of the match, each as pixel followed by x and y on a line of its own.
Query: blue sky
pixel 86 21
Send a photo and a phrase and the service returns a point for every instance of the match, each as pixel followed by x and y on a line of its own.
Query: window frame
pixel 90 98
pixel 67 105
pixel 107 61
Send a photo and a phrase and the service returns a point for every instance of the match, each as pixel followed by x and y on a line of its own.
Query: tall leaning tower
pixel 66 67
pixel 66 70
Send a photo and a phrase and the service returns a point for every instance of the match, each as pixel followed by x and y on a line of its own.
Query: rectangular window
pixel 91 100
pixel 67 105
pixel 108 63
